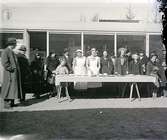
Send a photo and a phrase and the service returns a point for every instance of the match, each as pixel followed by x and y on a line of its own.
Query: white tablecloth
pixel 112 79
pixel 1 73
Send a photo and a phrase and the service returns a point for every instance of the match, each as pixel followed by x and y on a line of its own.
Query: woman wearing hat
pixel 11 86
pixel 79 68
pixel 79 63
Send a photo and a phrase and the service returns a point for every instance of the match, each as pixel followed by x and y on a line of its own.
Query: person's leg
pixel 155 91
pixel 149 90
pixel 51 91
pixel 67 94
pixel 7 103
pixel 12 103
pixel 54 91
pixel 59 92
pixel 23 94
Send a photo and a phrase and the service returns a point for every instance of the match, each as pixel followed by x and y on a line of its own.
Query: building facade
pixel 51 27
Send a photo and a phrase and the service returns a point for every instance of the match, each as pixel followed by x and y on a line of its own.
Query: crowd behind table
pixel 22 75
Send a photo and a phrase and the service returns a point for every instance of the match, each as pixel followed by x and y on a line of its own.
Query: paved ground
pixel 51 104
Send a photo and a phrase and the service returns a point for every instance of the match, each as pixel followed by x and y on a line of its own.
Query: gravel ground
pixel 87 124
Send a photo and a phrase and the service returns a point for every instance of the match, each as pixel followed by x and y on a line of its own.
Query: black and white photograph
pixel 83 70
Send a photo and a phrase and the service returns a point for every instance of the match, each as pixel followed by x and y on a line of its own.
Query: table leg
pixel 137 89
pixel 131 91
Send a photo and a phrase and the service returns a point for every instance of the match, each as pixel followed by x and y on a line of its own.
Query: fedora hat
pixel 93 49
pixel 78 50
pixel 22 48
pixel 122 49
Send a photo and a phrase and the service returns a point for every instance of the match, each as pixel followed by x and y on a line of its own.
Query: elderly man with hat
pixel 134 65
pixel 121 64
pixel 11 86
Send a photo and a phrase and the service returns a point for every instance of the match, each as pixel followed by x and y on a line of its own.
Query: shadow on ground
pixel 87 124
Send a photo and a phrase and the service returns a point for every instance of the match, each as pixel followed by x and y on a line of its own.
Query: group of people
pixel 125 63
pixel 19 72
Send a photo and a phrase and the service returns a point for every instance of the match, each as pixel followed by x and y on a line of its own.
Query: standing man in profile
pixel 11 86
pixel 68 60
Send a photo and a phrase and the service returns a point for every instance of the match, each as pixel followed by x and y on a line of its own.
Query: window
pixel 134 43
pixel 156 45
pixel 58 42
pixel 4 37
pixel 37 44
pixel 100 42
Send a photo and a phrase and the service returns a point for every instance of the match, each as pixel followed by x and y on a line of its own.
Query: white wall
pixel 68 17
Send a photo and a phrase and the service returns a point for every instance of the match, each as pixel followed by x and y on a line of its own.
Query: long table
pixel 132 79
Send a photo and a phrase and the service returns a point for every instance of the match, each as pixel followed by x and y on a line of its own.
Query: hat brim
pixel 78 51
pixel 122 49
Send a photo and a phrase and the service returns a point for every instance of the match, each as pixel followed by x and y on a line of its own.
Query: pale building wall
pixel 79 17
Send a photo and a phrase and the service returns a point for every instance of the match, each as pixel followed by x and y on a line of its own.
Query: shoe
pixel 14 105
pixel 24 103
pixel 70 100
pixel 7 105
pixel 37 96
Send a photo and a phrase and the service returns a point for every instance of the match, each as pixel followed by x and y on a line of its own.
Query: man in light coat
pixel 11 86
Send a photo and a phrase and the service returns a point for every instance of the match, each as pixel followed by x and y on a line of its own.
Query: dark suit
pixel 134 68
pixel 25 73
pixel 121 68
pixel 106 65
pixel 68 63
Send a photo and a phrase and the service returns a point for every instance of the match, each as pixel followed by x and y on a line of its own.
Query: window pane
pixel 4 37
pixel 156 46
pixel 58 42
pixel 100 42
pixel 134 43
pixel 38 42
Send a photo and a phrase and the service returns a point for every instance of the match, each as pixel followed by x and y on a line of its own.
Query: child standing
pixel 62 70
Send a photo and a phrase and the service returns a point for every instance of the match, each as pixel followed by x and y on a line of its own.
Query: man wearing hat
pixel 11 86
pixel 134 65
pixel 143 62
pixel 153 69
pixel 25 71
pixel 121 64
